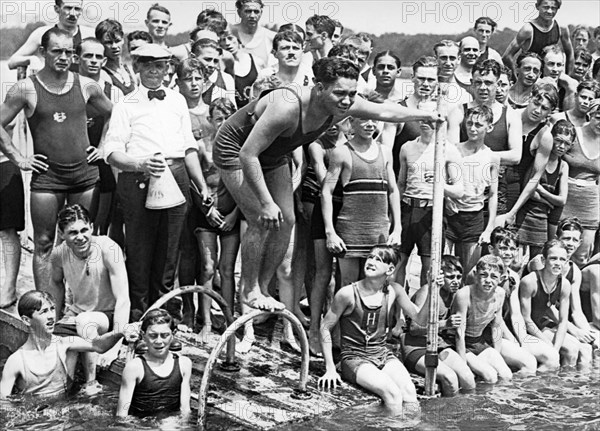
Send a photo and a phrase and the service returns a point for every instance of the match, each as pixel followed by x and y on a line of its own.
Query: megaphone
pixel 164 192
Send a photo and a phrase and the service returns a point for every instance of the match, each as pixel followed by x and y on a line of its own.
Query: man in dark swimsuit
pixel 252 149
pixel 55 102
pixel 542 31
pixel 69 12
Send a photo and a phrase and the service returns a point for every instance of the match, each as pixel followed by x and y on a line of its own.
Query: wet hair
pixel 386 253
pixel 445 43
pixel 529 54
pixel 451 263
pixel 53 31
pixel 205 43
pixel 546 91
pixel 158 317
pixel 550 244
pixel 487 66
pixel 485 20
pixel 32 301
pixel 482 111
pixel 287 35
pixel 189 65
pixel 564 127
pixel 157 8
pixel 327 70
pixel 322 24
pixel 344 51
pixel 392 54
pixel 508 72
pixel 211 17
pixel 293 27
pixel 240 3
pixel 222 105
pixel 79 46
pixel 501 235
pixel 71 214
pixel 569 223
pixel 109 27
pixel 558 3
pixel 139 35
pixel 584 55
pixel 489 261
pixel 591 85
pixel 425 61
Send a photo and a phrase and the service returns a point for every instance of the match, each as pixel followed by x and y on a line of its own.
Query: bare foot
pixel 314 343
pixel 305 321
pixel 107 358
pixel 245 345
pixel 205 333
pixel 288 337
pixel 263 302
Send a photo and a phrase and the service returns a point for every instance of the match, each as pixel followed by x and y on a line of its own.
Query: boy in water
pixel 362 310
pixel 45 364
pixel 478 305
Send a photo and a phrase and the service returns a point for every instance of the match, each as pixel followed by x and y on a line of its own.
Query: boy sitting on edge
pixel 465 227
pixel 45 364
pixel 362 309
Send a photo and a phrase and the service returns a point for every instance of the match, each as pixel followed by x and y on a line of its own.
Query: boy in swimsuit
pixel 45 364
pixel 478 305
pixel 362 310
pixel 544 297
pixel 157 381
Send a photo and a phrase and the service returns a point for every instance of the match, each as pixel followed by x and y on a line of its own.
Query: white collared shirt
pixel 141 127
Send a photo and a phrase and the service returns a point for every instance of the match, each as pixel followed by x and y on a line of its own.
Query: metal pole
pixel 431 355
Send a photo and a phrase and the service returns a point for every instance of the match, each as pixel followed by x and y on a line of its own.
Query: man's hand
pixel 153 166
pixel 93 154
pixel 394 238
pixel 330 380
pixel 270 216
pixel 36 163
pixel 229 221
pixel 131 332
pixel 335 244
pixel 453 321
pixel 214 217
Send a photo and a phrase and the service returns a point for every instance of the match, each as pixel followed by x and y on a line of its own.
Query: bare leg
pixel 482 368
pixel 445 376
pixel 547 357
pixel 517 357
pixel 208 259
pixel 287 289
pixel 466 379
pixel 469 253
pixel 323 270
pixel 401 272
pixel 89 326
pixel 583 252
pixel 372 379
pixel 11 260
pixel 494 358
pixel 349 269
pixel 44 211
pixel 425 263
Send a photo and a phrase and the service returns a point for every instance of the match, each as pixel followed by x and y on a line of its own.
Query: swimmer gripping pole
pixel 431 354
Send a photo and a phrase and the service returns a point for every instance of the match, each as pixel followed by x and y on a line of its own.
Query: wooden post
pixel 431 355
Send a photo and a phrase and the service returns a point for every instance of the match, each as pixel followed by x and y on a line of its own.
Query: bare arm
pixel 23 55
pixel 185 365
pixel 192 164
pixel 455 118
pixel 57 283
pixel 388 135
pixel 460 307
pixel 521 42
pixel 389 112
pixel 338 162
pixel 565 39
pixel 563 312
pixel 115 264
pixel 317 160
pixel 453 187
pixel 403 172
pixel 493 201
pixel 132 375
pixel 10 373
pixel 512 156
pixel 527 290
pixel 498 323
pixel 394 201
pixel 560 199
pixel 579 319
pixel 96 97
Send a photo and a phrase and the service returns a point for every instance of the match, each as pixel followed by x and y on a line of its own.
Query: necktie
pixel 156 94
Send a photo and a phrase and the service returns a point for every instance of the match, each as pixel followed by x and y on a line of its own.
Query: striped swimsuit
pixel 363 221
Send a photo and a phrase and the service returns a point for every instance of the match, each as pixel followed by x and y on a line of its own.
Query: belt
pixel 417 203
pixel 582 182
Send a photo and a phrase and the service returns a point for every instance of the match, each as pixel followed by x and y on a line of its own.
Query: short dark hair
pixel 387 54
pixel 501 235
pixel 558 3
pixel 158 317
pixel 71 214
pixel 508 72
pixel 287 35
pixel 564 127
pixel 445 43
pixel 481 111
pixel 322 23
pixel 451 263
pixel 569 223
pixel 546 91
pixel 205 43
pixel 485 20
pixel 343 51
pixel 328 69
pixel 425 61
pixel 189 65
pixel 584 55
pixel 386 253
pixel 32 301
pixel 240 3
pixel 529 54
pixel 489 261
pixel 53 31
pixel 211 17
pixel 591 85
pixel 139 35
pixel 293 27
pixel 222 104
pixel 110 27
pixel 158 8
pixel 487 66
pixel 79 46
pixel 550 244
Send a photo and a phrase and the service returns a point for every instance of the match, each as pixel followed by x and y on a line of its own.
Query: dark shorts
pixel 464 226
pixel 66 178
pixel 108 183
pixel 69 330
pixel 414 348
pixel 317 229
pixel 416 229
pixel 476 345
pixel 223 202
pixel 351 364
pixel 12 197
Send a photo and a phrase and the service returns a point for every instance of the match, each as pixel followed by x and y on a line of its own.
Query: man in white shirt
pixel 256 39
pixel 150 131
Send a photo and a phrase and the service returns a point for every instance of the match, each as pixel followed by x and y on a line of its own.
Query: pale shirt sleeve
pixel 119 131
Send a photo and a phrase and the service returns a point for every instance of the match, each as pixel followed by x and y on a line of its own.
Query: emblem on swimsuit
pixel 59 117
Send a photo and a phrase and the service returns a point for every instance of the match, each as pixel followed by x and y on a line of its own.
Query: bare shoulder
pixel 185 364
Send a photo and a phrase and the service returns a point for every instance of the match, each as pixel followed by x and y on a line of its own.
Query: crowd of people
pixel 154 166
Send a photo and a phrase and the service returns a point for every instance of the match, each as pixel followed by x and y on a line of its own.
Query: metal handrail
pixel 230 333
pixel 229 363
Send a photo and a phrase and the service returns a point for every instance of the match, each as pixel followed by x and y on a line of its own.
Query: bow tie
pixel 156 94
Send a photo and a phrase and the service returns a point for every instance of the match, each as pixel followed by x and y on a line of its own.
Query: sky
pixel 375 17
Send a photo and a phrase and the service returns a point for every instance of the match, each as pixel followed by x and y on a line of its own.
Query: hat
pixel 153 51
